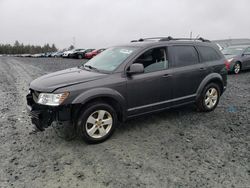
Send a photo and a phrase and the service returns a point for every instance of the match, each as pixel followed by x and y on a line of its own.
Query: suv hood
pixel 50 82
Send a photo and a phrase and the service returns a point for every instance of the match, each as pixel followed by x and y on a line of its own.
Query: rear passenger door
pixel 187 72
pixel 246 58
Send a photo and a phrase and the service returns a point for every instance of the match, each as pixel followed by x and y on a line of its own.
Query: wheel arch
pixel 106 95
pixel 212 78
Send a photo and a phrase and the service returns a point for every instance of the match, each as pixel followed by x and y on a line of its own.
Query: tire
pixel 209 98
pixel 91 122
pixel 237 68
pixel 79 56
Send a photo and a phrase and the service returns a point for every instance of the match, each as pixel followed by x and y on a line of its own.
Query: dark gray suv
pixel 144 76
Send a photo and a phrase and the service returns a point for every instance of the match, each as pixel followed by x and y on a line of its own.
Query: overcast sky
pixel 103 23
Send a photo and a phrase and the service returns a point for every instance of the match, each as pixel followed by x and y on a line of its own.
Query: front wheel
pixel 237 68
pixel 97 122
pixel 209 98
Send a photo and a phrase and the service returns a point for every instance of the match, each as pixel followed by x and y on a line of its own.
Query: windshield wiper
pixel 82 67
pixel 92 68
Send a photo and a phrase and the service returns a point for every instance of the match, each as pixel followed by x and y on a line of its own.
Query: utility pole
pixel 74 41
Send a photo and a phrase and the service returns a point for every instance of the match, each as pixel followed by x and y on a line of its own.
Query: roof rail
pixel 192 39
pixel 145 39
pixel 169 38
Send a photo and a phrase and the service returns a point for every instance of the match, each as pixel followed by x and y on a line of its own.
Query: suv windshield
pixel 110 59
pixel 232 51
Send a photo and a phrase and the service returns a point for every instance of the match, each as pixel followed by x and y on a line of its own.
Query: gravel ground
pixel 175 148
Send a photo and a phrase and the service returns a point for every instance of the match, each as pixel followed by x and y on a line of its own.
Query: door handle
pixel 166 75
pixel 203 68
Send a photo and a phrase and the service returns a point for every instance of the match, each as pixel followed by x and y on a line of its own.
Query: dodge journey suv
pixel 144 76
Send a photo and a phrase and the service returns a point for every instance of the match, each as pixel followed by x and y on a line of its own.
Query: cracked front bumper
pixel 42 116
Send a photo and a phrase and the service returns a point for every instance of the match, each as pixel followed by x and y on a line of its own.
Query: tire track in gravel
pixel 14 79
pixel 6 92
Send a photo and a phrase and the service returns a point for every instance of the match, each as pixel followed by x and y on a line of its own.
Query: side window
pixel 184 56
pixel 247 51
pixel 154 59
pixel 208 54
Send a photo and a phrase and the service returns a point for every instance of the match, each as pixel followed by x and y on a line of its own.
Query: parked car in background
pixel 48 54
pixel 81 54
pixel 66 53
pixel 89 55
pixel 39 55
pixel 57 54
pixel 77 54
pixel 126 81
pixel 36 55
pixel 224 43
pixel 69 52
pixel 238 57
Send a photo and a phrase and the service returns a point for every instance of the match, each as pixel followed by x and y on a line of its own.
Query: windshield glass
pixel 110 59
pixel 232 51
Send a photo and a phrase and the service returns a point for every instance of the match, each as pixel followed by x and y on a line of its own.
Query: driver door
pixel 152 89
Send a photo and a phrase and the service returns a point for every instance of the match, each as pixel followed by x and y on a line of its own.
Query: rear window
pixel 184 56
pixel 208 54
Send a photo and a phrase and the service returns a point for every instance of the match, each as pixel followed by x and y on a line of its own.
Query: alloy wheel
pixel 99 124
pixel 211 97
pixel 237 68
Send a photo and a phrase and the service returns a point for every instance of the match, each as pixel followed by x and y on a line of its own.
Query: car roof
pixel 152 43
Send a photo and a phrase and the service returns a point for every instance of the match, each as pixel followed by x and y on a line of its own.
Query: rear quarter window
pixel 208 54
pixel 184 56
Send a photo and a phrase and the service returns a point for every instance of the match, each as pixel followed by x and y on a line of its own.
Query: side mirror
pixel 136 69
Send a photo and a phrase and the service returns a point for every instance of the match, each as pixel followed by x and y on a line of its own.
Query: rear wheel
pixel 97 122
pixel 237 68
pixel 209 98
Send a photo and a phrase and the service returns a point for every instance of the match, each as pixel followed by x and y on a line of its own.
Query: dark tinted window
pixel 154 60
pixel 208 54
pixel 184 55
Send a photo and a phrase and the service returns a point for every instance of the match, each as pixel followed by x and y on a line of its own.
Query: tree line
pixel 20 48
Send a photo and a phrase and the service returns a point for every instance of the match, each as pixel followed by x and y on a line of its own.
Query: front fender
pixel 206 80
pixel 100 92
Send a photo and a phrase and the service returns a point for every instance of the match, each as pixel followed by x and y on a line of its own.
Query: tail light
pixel 227 64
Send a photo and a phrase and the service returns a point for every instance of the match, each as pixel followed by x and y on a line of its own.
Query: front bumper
pixel 42 116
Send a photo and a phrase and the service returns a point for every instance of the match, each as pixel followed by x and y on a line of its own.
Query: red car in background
pixel 89 55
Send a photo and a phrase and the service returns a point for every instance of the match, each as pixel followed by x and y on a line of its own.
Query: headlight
pixel 51 99
pixel 230 60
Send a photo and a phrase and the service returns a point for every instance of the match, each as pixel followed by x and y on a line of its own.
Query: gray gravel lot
pixel 175 148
